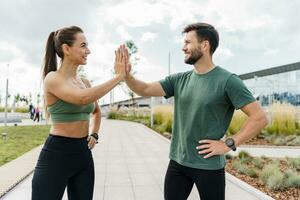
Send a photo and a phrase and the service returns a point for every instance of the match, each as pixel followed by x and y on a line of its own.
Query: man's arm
pixel 144 89
pixel 256 121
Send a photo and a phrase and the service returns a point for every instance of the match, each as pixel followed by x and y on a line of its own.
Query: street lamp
pixel 6 97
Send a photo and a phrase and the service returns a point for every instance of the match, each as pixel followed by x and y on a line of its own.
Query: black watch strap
pixel 95 135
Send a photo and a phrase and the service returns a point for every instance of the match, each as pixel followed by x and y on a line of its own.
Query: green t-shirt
pixel 204 105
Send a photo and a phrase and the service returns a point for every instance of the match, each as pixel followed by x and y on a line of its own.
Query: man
pixel 205 99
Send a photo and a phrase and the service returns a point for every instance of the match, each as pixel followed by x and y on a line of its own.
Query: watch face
pixel 229 142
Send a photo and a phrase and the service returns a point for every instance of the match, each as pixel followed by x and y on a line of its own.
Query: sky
pixel 254 35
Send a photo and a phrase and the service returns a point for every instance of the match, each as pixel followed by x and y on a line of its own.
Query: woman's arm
pixel 96 115
pixel 95 120
pixel 57 85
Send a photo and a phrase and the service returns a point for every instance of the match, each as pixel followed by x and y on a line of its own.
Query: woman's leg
pixel 49 181
pixel 81 185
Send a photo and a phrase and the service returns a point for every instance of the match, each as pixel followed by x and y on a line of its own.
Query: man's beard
pixel 196 54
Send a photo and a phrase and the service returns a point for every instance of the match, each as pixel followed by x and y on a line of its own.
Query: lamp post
pixel 6 97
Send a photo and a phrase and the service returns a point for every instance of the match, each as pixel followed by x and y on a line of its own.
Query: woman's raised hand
pixel 120 61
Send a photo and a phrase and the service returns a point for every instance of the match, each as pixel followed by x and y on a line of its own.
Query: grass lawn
pixel 19 140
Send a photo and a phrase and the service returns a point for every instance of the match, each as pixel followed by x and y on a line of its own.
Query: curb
pixel 9 188
pixel 269 146
pixel 245 186
pixel 17 170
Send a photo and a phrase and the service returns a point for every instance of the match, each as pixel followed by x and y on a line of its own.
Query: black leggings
pixel 179 182
pixel 64 162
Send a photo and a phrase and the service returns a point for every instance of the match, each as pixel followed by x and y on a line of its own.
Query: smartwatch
pixel 230 143
pixel 95 135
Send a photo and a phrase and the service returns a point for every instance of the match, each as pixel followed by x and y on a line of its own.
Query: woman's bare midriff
pixel 77 129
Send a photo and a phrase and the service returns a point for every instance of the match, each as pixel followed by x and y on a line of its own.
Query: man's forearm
pixel 135 85
pixel 251 128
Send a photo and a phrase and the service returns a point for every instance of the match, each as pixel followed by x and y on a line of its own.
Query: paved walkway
pixel 130 164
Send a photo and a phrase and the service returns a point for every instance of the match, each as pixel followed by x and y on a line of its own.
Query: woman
pixel 66 159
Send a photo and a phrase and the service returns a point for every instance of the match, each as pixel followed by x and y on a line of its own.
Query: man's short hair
pixel 204 31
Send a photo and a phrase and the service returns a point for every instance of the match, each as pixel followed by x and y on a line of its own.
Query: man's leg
pixel 177 186
pixel 210 183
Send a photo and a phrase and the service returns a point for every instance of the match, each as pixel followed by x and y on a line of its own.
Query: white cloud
pixel 135 13
pixel 123 33
pixel 271 52
pixel 250 33
pixel 9 52
pixel 148 36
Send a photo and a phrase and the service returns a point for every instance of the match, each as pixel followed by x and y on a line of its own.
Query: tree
pixel 38 98
pixel 81 73
pixel 17 98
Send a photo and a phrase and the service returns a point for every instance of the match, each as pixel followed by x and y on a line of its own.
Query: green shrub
pixel 243 154
pixel 163 117
pixel 268 171
pixel 112 115
pixel 293 162
pixel 228 156
pixel 22 110
pixel 244 157
pixel 252 172
pixel 272 177
pixel 237 122
pixel 295 141
pixel 258 163
pixel 279 141
pixel 283 119
pixel 157 118
pixel 293 180
pixel 2 109
pixel 288 173
pixel 276 181
pixel 236 164
pixel 243 169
